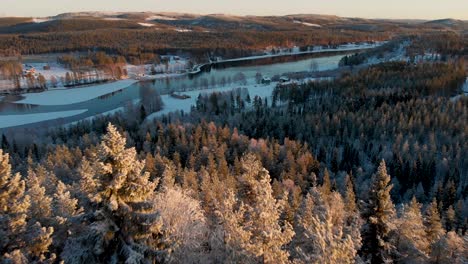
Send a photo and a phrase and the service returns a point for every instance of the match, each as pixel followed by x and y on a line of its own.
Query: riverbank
pixel 74 95
pixel 343 48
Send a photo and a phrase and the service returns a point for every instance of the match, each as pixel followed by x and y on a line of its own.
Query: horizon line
pixel 232 14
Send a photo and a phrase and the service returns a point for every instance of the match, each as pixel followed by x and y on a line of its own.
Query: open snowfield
pixel 183 30
pixel 173 68
pixel 307 24
pixel 56 70
pixel 159 18
pixel 17 120
pixel 146 24
pixel 172 104
pixel 74 95
pixel 40 19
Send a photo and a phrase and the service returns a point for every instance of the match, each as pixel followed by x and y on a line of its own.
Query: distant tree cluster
pixel 133 43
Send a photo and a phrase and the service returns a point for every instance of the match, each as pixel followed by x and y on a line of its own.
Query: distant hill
pixel 448 23
pixel 213 22
pixel 72 24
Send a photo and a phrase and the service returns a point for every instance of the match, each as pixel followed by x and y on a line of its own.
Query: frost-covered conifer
pixel 14 205
pixel 251 224
pixel 379 214
pixel 123 225
pixel 321 236
pixel 410 235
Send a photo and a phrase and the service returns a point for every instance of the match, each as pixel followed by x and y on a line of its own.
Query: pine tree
pixel 350 197
pixel 411 241
pixel 14 205
pixel 379 214
pixel 449 219
pixel 449 249
pixel 252 223
pixel 326 187
pixel 39 239
pixel 65 210
pixel 184 225
pixel 64 205
pixel 434 229
pixel 321 236
pixel 353 218
pixel 123 225
pixel 87 183
pixel 41 203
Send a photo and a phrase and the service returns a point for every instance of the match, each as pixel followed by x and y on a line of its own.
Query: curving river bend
pixel 224 76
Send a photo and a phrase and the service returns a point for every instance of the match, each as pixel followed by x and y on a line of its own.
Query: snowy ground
pixel 399 54
pixel 146 24
pixel 17 120
pixel 307 24
pixel 172 104
pixel 159 18
pixel 182 30
pixel 40 19
pixel 163 71
pixel 74 95
pixel 56 70
pixel 463 93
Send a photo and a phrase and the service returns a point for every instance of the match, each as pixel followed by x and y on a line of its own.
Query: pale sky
pixel 416 9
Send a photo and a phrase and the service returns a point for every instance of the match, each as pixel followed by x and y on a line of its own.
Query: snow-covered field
pixel 183 30
pixel 163 71
pixel 40 19
pixel 307 24
pixel 159 18
pixel 172 104
pixel 74 95
pixel 146 24
pixel 57 71
pixel 17 120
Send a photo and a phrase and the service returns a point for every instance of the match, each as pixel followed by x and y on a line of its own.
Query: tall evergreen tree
pixel 252 222
pixel 434 229
pixel 14 205
pixel 379 213
pixel 123 225
pixel 411 242
pixel 321 236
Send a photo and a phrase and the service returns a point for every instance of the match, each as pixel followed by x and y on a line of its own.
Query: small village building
pixel 266 80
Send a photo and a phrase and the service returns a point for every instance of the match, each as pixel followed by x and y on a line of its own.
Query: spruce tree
pixel 321 236
pixel 123 226
pixel 251 222
pixel 379 213
pixel 411 243
pixel 14 205
pixel 434 229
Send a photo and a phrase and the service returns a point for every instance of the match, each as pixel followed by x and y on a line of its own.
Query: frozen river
pixel 217 78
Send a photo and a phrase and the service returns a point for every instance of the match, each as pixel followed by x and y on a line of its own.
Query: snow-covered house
pixel 266 80
pixel 284 79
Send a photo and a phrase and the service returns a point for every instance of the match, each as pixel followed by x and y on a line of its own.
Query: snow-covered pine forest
pixel 212 202
pixel 367 167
